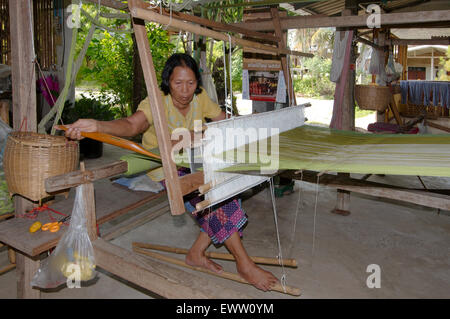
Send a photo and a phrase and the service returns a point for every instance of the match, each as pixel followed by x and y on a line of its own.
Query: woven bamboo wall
pixel 44 30
pixel 5 45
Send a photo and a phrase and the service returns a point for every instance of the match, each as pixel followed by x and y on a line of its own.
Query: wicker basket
pixel 413 110
pixel 30 158
pixel 372 97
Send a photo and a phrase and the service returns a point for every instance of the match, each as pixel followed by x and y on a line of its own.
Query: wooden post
pixel 22 66
pixel 24 112
pixel 282 44
pixel 89 207
pixel 381 117
pixel 159 116
pixel 344 113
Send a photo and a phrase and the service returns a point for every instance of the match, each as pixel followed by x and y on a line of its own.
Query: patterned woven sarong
pixel 219 221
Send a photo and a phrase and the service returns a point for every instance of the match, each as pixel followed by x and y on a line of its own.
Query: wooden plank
pixel 159 116
pixel 196 29
pixel 442 17
pixel 111 4
pixel 370 43
pixel 443 41
pixel 75 178
pixel 136 221
pixel 394 110
pixel 191 182
pixel 163 279
pixel 119 212
pixel 439 127
pixel 221 26
pixel 415 196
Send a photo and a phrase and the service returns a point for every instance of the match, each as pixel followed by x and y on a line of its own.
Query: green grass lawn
pixel 361 113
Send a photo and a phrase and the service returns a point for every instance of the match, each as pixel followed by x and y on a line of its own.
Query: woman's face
pixel 183 84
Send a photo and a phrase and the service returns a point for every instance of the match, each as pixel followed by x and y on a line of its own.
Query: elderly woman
pixel 185 101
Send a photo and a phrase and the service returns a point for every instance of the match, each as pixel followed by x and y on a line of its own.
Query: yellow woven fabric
pixel 323 149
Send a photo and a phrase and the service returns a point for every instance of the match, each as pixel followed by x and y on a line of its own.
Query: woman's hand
pixel 82 125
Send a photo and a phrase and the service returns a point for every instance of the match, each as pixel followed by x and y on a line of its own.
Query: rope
pixel 228 107
pixel 231 80
pixel 45 81
pixel 299 200
pixel 280 253
pixel 34 213
pixel 315 214
pixel 170 13
pixel 225 76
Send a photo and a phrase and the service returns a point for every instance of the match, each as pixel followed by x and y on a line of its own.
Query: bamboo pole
pixel 226 275
pixel 196 29
pixel 202 205
pixel 7 268
pixel 288 262
pixel 6 216
pixel 203 189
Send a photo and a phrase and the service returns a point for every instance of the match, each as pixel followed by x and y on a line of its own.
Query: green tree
pixel 110 64
pixel 445 64
pixel 323 41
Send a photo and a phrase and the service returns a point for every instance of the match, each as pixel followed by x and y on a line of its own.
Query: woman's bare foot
pixel 256 276
pixel 197 259
pixel 196 255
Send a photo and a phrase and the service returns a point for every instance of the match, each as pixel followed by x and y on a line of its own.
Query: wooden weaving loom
pixel 140 11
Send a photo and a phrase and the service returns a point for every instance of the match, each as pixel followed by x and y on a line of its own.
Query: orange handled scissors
pixel 55 226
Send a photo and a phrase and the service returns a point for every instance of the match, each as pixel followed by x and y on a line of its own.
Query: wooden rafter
pixel 440 17
pixel 149 15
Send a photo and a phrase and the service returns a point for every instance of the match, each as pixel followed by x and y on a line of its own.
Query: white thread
pixel 178 41
pixel 225 77
pixel 315 214
pixel 280 253
pixel 300 191
pixel 45 81
pixel 170 15
pixel 231 80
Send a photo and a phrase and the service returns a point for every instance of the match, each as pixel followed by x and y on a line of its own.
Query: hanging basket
pixel 372 97
pixel 30 158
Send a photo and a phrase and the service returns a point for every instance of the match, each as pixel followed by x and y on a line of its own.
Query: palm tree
pixel 323 42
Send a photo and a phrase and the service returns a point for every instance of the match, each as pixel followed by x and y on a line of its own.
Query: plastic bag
pixel 73 260
pixel 140 183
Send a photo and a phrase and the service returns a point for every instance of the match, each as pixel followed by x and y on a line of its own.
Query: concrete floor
pixel 409 243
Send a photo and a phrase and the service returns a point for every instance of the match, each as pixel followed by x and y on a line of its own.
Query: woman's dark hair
pixel 179 59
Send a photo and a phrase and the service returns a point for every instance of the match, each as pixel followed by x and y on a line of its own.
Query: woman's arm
pixel 126 127
pixel 220 117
